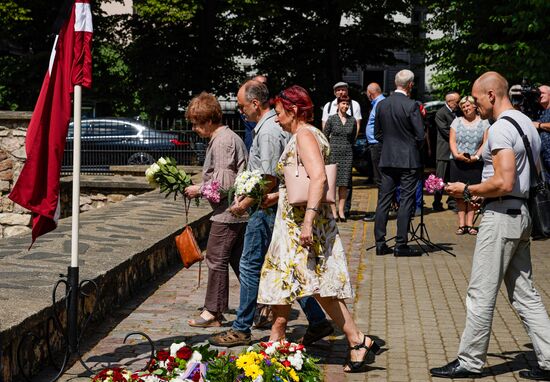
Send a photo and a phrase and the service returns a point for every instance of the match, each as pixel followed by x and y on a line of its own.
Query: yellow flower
pixel 253 371
pixel 245 359
pixel 293 375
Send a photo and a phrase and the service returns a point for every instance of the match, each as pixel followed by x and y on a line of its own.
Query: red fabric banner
pixel 37 188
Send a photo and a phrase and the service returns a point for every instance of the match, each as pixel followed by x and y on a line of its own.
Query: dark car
pixel 113 141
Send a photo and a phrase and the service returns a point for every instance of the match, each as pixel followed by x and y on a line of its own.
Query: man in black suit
pixel 398 126
pixel 443 119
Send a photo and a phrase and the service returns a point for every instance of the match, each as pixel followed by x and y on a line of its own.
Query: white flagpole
pixel 76 175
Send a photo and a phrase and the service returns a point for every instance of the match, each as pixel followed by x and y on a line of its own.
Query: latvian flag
pixel 37 188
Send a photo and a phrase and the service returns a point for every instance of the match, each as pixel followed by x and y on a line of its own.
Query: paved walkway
pixel 415 304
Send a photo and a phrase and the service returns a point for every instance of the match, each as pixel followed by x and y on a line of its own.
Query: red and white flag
pixel 37 188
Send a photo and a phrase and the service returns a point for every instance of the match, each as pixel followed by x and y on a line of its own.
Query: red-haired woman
pixel 306 256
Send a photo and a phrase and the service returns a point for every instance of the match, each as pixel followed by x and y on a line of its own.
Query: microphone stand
pixel 420 233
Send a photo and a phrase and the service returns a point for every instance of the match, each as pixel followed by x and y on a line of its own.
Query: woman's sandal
pixel 462 230
pixel 473 231
pixel 204 323
pixel 359 366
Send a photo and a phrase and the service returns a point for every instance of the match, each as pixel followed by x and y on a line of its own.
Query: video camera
pixel 525 98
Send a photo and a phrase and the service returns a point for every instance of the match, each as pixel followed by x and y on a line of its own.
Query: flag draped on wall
pixel 37 188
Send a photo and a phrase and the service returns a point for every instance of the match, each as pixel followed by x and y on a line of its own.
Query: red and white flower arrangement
pixel 263 362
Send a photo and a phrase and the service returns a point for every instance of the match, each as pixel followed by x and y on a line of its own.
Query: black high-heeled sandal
pixel 359 366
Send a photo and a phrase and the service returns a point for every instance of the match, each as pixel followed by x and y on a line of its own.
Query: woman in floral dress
pixel 306 256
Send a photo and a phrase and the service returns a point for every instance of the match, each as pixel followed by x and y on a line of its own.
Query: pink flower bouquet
pixel 433 184
pixel 211 191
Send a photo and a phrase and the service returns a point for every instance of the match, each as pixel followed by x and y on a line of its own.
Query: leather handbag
pixel 186 243
pixel 297 183
pixel 539 193
pixel 188 247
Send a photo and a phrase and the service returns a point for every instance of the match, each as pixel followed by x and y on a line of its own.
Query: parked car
pixel 116 141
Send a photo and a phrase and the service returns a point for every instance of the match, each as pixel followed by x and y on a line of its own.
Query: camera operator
pixel 543 126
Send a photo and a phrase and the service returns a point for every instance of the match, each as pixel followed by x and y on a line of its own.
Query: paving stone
pixel 416 305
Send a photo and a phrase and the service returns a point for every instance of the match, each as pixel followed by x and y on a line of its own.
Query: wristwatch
pixel 466 194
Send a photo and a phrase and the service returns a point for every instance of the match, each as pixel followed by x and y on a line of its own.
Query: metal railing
pixel 107 142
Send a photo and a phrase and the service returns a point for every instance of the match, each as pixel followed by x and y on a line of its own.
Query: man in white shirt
pixel 330 108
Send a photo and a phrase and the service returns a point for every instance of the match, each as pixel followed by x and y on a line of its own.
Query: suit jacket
pixel 399 127
pixel 443 119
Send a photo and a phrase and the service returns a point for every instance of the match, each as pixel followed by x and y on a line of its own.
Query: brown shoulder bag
pixel 186 243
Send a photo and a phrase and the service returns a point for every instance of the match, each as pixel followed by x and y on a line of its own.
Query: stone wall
pixel 14 219
pixel 91 201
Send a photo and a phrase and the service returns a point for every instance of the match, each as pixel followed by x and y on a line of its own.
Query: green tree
pixel 178 48
pixel 24 56
pixel 306 42
pixel 155 59
pixel 511 37
pixel 25 27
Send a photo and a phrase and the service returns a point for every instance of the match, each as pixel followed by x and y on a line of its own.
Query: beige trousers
pixel 503 253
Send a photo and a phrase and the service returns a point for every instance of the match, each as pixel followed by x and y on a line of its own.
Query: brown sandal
pixel 263 317
pixel 230 338
pixel 472 231
pixel 201 322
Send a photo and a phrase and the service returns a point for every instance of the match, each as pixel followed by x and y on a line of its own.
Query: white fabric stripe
pixel 57 213
pixel 83 18
pixel 52 55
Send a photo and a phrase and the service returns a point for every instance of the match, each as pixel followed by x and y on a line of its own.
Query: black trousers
pixel 375 152
pixel 391 178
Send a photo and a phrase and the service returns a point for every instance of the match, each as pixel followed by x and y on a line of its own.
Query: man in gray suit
pixel 443 119
pixel 398 126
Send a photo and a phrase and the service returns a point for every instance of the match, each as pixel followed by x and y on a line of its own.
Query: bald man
pixel 543 126
pixel 374 92
pixel 502 251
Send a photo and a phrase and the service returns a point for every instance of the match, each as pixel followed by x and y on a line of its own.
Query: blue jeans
pixel 256 241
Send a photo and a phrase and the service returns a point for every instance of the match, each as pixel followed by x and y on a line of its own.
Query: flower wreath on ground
pixel 264 362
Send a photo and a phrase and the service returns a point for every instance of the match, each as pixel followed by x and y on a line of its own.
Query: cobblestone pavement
pixel 416 305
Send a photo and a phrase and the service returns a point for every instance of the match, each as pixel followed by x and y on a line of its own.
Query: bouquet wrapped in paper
pixel 165 174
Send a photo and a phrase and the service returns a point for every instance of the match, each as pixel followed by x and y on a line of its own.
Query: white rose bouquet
pixel 165 174
pixel 249 184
